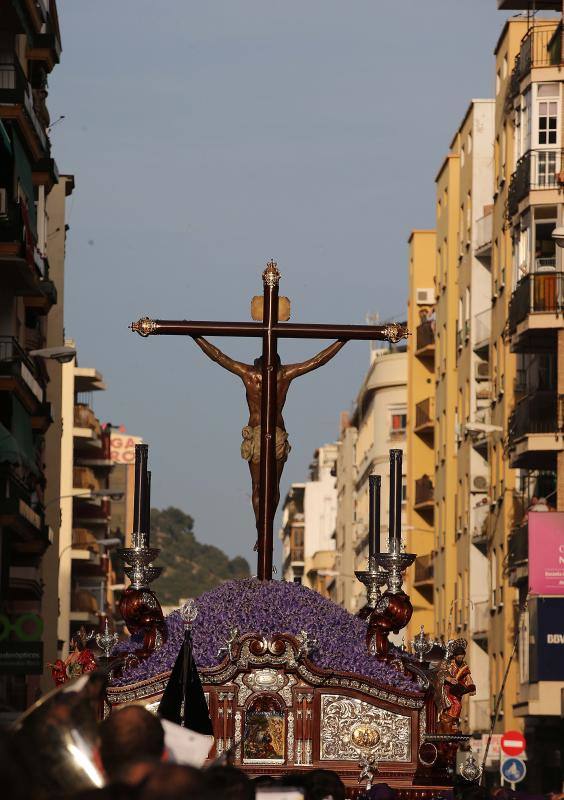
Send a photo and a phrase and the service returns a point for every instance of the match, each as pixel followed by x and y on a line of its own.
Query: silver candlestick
pixel 421 645
pixel 394 563
pixel 373 578
pixel 138 560
pixel 107 641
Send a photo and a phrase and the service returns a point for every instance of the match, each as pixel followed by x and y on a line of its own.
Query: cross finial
pixel 271 275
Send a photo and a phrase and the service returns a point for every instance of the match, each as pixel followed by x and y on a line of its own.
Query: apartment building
pixel 420 434
pixel 85 573
pixel 377 424
pixel 343 587
pixel 30 47
pixel 308 525
pixel 528 369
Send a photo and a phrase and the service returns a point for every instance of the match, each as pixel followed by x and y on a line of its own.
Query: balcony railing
pixel 297 554
pixel 482 329
pixel 518 547
pixel 16 89
pixel 14 360
pixel 537 169
pixel 539 412
pixel 425 337
pixel 540 47
pixel 424 415
pixel 424 491
pixel 536 293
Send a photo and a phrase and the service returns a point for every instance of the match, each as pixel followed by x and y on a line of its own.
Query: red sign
pixel 512 743
pixel 546 553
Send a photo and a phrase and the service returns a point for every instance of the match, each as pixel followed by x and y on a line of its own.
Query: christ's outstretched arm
pixel 292 371
pixel 220 358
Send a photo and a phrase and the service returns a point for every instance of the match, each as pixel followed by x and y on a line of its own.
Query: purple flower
pixel 267 608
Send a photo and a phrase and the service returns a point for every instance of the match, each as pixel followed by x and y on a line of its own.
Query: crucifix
pixel 265 441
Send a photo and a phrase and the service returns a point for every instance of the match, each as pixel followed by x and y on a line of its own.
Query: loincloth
pixel 250 446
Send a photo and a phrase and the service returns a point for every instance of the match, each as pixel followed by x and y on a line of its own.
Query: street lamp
pixel 62 354
pixel 558 236
pixel 109 542
pixel 88 494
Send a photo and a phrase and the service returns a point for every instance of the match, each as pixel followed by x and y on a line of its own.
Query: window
pixel 399 423
pixel 548 120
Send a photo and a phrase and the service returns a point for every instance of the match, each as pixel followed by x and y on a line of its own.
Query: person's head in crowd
pixel 131 744
pixel 321 784
pixel 114 791
pixel 175 782
pixel 229 783
pixel 380 791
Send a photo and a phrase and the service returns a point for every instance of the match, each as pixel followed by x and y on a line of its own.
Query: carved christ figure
pixel 251 375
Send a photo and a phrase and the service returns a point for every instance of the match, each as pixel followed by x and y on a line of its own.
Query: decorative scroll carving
pixel 342 716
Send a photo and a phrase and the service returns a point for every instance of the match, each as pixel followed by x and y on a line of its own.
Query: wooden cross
pixel 270 330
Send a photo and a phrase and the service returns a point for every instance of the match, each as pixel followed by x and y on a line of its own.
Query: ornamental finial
pixel 271 275
pixel 393 332
pixel 144 326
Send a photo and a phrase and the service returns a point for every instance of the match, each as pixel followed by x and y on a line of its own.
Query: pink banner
pixel 546 552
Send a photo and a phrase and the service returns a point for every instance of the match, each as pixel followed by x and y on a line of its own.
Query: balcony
pixel 17 103
pixel 482 332
pixel 84 478
pixel 19 375
pixel 424 494
pixel 537 170
pixel 518 555
pixel 480 520
pixel 86 419
pixel 23 270
pixel 425 417
pixel 536 310
pixel 540 47
pixel 483 237
pixel 424 572
pixel 480 616
pixel 536 428
pixel 28 533
pixel 425 340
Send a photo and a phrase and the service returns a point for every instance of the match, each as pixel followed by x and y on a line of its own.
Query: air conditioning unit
pixel 424 297
pixel 482 371
pixel 479 483
pixel 3 202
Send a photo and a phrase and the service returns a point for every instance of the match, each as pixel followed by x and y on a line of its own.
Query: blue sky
pixel 205 139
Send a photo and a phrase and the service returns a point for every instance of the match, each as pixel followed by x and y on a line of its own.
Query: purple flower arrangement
pixel 267 608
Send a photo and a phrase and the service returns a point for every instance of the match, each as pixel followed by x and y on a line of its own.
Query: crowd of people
pixel 132 758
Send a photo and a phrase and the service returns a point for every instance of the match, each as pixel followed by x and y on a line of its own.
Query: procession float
pixel 290 680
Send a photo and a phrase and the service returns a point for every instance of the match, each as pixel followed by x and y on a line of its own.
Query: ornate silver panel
pixel 341 715
pixel 290 747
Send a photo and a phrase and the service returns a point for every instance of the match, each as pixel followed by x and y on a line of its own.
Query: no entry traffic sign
pixel 512 743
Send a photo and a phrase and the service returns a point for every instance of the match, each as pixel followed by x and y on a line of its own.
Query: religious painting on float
pixel 265 733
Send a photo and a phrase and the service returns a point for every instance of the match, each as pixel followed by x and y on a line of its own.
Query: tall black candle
pixel 139 498
pixel 374 483
pixel 394 532
pixel 146 520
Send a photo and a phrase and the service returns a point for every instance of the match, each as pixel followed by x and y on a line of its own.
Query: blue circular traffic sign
pixel 513 770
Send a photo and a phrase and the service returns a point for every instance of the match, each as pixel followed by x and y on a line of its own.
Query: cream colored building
pixel 378 424
pixel 84 567
pixel 308 525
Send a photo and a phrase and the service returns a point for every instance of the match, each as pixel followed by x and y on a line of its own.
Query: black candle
pixel 146 520
pixel 374 482
pixel 394 533
pixel 139 499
